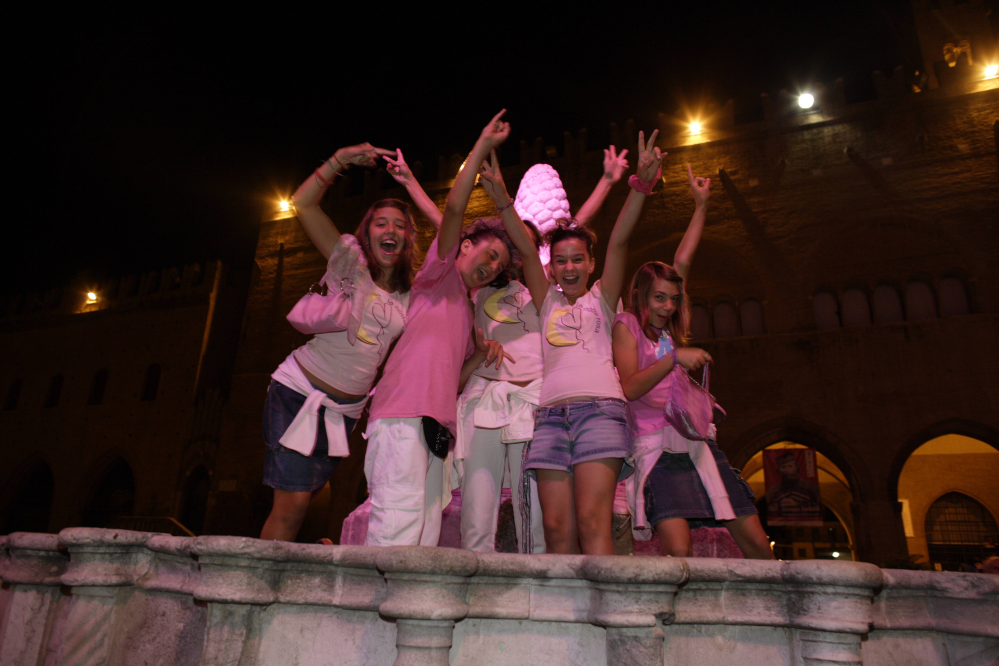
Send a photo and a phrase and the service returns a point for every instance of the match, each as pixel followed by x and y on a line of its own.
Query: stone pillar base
pixel 423 642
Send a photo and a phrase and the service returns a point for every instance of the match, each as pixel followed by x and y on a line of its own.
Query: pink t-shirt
pixel 421 375
pixel 509 316
pixel 647 412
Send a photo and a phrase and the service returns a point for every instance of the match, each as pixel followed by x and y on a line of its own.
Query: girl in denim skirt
pixel 581 439
pixel 675 479
pixel 317 394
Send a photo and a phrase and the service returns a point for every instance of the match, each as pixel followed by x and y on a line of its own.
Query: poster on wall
pixel 792 481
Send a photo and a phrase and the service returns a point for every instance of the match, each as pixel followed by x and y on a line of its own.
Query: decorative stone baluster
pixel 426 593
pixel 31 567
pixel 630 596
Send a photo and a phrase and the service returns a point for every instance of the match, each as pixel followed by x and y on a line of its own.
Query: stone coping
pixel 450 584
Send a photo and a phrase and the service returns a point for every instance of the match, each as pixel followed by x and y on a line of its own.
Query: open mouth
pixel 389 246
pixel 570 281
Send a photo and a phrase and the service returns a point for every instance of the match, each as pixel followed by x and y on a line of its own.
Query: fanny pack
pixel 439 439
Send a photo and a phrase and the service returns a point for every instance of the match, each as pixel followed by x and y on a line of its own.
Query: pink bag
pixel 689 406
pixel 324 309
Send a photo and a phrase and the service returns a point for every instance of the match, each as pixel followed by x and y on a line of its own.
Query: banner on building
pixel 792 480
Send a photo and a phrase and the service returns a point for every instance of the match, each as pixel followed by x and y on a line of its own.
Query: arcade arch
pixel 113 496
pixel 836 538
pixel 950 501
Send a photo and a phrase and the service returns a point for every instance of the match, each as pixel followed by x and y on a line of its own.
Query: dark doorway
pixel 30 506
pixel 113 496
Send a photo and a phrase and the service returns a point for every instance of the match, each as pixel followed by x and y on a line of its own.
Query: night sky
pixel 155 139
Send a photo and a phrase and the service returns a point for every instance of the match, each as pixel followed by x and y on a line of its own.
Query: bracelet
pixel 500 210
pixel 326 183
pixel 640 185
pixel 672 353
pixel 334 157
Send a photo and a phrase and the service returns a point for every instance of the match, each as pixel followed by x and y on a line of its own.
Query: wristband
pixel 500 210
pixel 640 185
pixel 342 167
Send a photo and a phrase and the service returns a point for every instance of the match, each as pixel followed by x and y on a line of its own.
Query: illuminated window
pixel 919 302
pixel 887 305
pixel 953 297
pixel 152 384
pixel 826 310
pixel 856 311
pixel 725 320
pixel 751 315
pixel 55 390
pixel 959 531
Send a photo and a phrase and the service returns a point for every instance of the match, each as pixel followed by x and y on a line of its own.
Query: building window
pixel 152 384
pixel 919 301
pixel 959 531
pixel 700 323
pixel 887 305
pixel 725 320
pixel 826 311
pixel 97 388
pixel 55 390
pixel 13 395
pixel 856 311
pixel 953 297
pixel 751 316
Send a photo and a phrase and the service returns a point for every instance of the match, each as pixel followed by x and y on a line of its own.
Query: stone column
pixel 824 648
pixel 630 596
pixel 31 566
pixel 426 593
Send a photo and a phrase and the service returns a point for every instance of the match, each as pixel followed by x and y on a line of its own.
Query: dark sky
pixel 150 140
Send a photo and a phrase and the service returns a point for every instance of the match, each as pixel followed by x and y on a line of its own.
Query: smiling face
pixel 387 236
pixel 664 300
pixel 571 267
pixel 479 263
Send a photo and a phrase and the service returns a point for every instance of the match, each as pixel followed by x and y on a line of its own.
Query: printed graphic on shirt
pixel 564 327
pixel 506 306
pixel 377 316
pixel 664 346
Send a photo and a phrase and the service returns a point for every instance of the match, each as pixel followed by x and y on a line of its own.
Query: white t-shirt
pixel 508 315
pixel 576 344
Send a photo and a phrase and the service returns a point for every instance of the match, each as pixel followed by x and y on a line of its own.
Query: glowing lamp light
pixel 805 101
pixel 695 128
pixel 91 297
pixel 284 205
pixel 991 71
pixel 836 553
pixel 772 543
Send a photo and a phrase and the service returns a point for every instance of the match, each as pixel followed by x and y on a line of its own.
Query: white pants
pixel 485 463
pixel 405 481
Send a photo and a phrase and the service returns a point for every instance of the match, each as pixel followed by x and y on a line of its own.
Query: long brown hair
pixel 638 295
pixel 402 276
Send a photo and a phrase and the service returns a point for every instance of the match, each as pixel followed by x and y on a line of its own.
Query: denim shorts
pixel 578 432
pixel 285 469
pixel 673 489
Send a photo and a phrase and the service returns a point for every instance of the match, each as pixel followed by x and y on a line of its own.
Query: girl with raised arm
pixel 496 406
pixel 581 437
pixel 317 394
pixel 417 394
pixel 675 479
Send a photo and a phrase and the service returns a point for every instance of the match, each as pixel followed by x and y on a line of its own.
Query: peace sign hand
pixel 650 159
pixel 615 164
pixel 700 188
pixel 398 168
pixel 363 154
pixel 496 132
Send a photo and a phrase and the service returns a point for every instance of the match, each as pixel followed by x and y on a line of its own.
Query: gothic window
pixel 725 320
pixel 919 302
pixel 751 314
pixel 55 390
pixel 887 305
pixel 953 297
pixel 856 311
pixel 13 395
pixel 97 388
pixel 826 311
pixel 152 384
pixel 700 323
pixel 959 531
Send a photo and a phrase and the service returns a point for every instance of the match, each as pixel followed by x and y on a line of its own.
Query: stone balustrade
pixel 92 596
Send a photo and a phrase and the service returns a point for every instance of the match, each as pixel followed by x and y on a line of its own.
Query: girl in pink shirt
pixel 675 479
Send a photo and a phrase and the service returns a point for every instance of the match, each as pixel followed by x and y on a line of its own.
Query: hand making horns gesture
pixel 650 160
pixel 615 164
pixel 700 188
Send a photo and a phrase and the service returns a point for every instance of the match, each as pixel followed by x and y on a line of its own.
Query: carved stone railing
pixel 90 596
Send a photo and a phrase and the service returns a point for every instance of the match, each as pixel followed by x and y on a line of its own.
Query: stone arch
pixel 112 492
pixel 27 497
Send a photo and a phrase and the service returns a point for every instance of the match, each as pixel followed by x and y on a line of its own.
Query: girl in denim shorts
pixel 581 440
pixel 317 394
pixel 675 479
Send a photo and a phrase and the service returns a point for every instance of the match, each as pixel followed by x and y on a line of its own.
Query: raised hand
pixel 496 132
pixel 398 168
pixel 492 180
pixel 700 188
pixel 692 358
pixel 363 154
pixel 650 159
pixel 491 348
pixel 615 164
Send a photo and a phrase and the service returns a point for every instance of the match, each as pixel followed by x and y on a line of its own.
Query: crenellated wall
pixel 89 596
